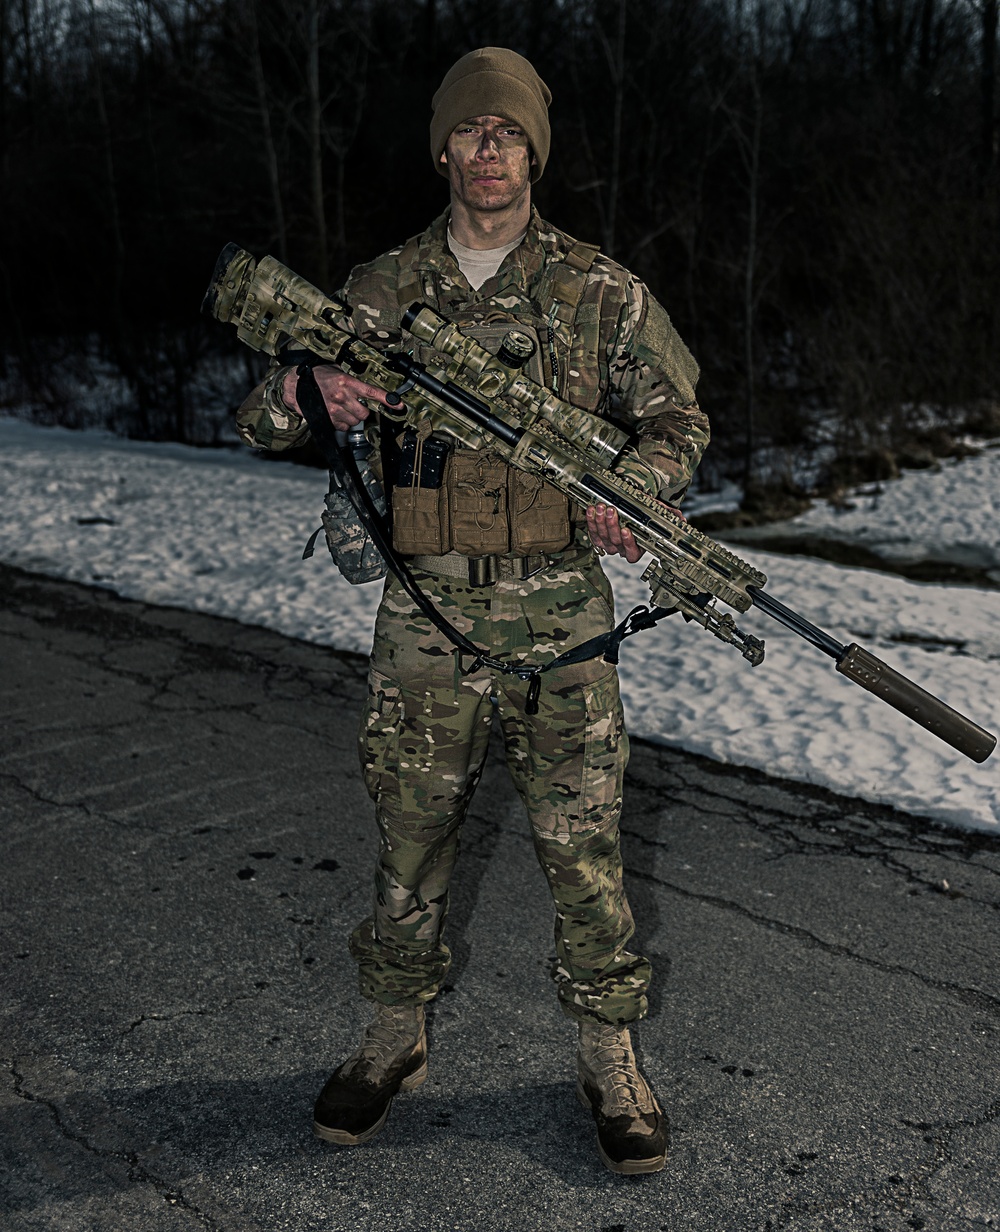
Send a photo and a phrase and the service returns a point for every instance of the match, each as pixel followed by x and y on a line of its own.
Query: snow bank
pixel 222 532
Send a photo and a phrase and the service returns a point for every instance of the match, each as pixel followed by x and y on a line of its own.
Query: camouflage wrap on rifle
pixel 621 355
pixel 485 403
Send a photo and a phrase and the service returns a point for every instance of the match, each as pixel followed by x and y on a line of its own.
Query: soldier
pixel 505 558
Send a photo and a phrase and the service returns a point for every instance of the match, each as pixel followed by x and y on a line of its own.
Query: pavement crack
pixel 137 1170
pixel 81 806
pixel 988 1117
pixel 50 801
pixel 938 1136
pixel 197 1012
pixel 967 996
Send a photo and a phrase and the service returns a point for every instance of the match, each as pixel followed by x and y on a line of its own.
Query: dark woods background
pixel 809 186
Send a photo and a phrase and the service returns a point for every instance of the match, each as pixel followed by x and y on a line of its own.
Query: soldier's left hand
pixel 609 536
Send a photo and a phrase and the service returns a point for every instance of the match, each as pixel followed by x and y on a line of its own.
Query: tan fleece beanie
pixel 492 81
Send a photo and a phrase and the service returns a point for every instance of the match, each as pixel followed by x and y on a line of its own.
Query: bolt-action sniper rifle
pixel 483 400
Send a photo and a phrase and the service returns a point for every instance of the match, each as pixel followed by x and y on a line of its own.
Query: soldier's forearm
pixel 670 446
pixel 265 421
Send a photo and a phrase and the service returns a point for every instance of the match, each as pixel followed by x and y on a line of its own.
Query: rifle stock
pixel 480 398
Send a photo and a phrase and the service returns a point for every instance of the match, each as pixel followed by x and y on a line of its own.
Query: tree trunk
pixel 749 288
pixel 111 181
pixel 988 77
pixel 267 133
pixel 618 76
pixel 316 144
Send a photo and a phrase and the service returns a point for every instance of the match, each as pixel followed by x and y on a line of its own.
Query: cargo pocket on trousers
pixel 378 739
pixel 606 751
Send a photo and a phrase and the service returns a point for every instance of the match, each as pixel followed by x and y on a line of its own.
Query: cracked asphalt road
pixel 186 842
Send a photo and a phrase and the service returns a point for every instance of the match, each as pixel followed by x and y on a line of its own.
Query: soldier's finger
pixel 600 526
pixel 630 548
pixel 378 395
pixel 613 527
pixel 346 416
pixel 594 531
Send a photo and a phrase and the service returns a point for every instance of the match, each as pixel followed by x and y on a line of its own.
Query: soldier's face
pixel 489 163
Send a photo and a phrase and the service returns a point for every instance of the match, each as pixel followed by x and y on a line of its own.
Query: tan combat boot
pixel 354 1104
pixel 632 1132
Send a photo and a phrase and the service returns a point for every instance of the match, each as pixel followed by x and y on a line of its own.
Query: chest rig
pixel 449 499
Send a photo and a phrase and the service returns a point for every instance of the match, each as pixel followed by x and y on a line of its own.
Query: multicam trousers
pixel 423 742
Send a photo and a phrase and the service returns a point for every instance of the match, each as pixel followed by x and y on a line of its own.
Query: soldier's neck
pixel 483 229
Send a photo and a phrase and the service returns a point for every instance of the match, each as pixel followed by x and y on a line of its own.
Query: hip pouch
pixel 349 542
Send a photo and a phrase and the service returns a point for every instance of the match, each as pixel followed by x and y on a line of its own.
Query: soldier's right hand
pixel 341 393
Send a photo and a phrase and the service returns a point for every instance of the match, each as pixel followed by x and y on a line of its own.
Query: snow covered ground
pixel 222 532
pixel 948 515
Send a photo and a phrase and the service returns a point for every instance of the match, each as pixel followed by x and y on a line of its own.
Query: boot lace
pixel 394 1030
pixel 610 1058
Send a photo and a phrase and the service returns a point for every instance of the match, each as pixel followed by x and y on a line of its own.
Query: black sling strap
pixel 337 451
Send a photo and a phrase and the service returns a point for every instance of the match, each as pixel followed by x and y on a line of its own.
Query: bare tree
pixel 988 78
pixel 746 123
pixel 112 201
pixel 250 108
pixel 324 49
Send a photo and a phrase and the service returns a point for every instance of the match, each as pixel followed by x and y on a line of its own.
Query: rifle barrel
pixel 871 673
pixel 798 624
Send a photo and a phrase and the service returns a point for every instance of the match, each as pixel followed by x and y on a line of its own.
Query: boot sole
pixel 623 1167
pixel 344 1138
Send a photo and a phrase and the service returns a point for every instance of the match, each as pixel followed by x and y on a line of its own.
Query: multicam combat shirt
pixel 616 353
